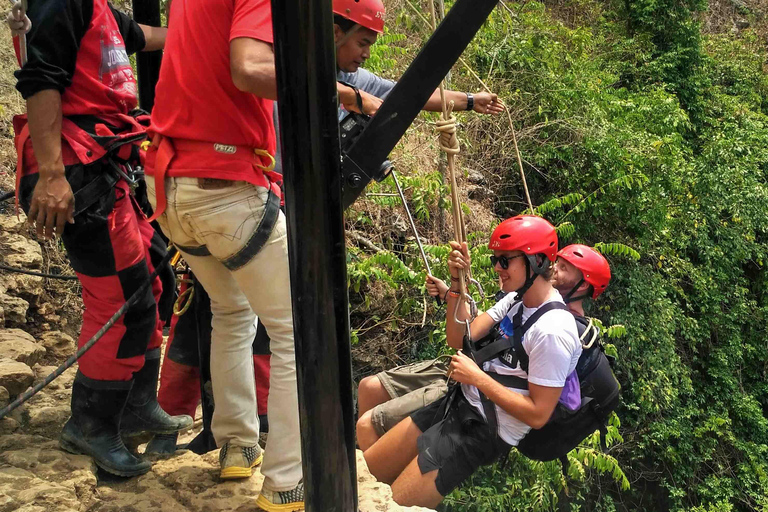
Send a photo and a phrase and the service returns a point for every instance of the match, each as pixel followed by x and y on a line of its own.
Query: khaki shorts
pixel 411 387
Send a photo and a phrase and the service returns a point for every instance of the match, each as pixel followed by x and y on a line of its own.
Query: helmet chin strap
pixel 568 298
pixel 530 277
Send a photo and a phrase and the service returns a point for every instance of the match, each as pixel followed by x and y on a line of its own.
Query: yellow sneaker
pixel 291 500
pixel 238 461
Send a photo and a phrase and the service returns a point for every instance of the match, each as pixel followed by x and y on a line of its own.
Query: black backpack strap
pixel 491 350
pixel 520 330
pixel 565 464
pixel 603 434
pixel 509 381
pixel 489 408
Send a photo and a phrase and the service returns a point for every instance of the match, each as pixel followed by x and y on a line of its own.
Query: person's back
pixel 196 98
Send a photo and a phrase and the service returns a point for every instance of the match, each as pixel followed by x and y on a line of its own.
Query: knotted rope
pixel 449 143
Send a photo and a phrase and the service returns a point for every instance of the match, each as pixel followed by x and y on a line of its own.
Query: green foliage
pixel 616 249
pixel 385 51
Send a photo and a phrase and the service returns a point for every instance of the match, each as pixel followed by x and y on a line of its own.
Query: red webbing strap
pixel 165 153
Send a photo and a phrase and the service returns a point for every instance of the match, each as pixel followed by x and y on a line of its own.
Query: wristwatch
pixel 470 101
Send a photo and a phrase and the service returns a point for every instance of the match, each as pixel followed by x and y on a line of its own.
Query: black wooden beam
pixel 306 69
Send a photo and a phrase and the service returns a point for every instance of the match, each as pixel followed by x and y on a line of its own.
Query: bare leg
pixel 370 393
pixel 366 433
pixel 413 489
pixel 390 455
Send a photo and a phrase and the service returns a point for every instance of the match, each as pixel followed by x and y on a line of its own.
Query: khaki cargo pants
pixel 411 386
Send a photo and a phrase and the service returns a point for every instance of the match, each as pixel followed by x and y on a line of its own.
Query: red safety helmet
pixel 593 266
pixel 367 13
pixel 527 233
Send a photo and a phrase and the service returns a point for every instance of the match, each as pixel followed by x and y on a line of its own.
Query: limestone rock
pixel 18 345
pixel 62 382
pixel 20 251
pixel 476 178
pixel 7 426
pixel 14 376
pixel 2 316
pixel 15 309
pixel 26 287
pixel 59 345
pixel 47 421
pixel 34 473
pixel 12 224
pixel 5 397
pixel 479 193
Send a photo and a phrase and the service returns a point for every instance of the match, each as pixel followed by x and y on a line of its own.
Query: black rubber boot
pixel 142 412
pixel 202 443
pixel 94 428
pixel 163 444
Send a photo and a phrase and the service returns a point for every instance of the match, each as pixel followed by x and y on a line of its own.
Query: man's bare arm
pixel 53 203
pixel 252 66
pixel 154 37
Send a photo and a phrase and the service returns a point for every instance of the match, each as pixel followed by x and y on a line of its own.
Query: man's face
pixel 512 277
pixel 353 48
pixel 565 276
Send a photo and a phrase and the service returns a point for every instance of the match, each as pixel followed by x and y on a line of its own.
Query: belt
pixel 166 151
pixel 253 245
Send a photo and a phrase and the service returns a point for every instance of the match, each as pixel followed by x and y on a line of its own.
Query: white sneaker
pixel 291 500
pixel 238 461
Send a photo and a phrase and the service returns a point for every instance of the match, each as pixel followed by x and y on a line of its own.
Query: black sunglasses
pixel 503 260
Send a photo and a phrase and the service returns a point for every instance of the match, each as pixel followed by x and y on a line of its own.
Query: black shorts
pixel 455 444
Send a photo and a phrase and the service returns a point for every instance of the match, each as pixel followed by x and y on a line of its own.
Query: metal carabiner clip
pixel 129 176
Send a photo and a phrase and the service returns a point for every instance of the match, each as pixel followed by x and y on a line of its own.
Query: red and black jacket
pixel 81 48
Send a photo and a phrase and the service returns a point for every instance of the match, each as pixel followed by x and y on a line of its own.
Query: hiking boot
pixel 282 501
pixel 238 461
pixel 142 412
pixel 163 444
pixel 94 428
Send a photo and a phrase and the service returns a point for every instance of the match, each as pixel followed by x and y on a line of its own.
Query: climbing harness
pixel 96 337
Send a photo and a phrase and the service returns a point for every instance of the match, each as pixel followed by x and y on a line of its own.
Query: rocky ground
pixel 35 475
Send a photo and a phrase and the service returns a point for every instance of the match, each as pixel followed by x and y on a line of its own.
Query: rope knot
pixel 447 135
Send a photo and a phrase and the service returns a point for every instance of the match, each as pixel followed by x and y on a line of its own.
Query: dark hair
pixel 547 274
pixel 345 24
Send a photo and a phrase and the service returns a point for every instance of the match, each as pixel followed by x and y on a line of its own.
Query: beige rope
pixel 449 143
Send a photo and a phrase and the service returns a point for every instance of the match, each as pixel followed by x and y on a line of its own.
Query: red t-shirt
pixel 195 98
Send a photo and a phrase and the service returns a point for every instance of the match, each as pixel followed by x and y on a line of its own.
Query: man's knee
pixel 368 386
pixel 366 432
pixel 370 393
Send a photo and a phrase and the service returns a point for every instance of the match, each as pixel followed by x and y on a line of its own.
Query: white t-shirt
pixel 553 349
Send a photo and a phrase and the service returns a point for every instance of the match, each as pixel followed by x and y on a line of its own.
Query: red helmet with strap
pixel 527 233
pixel 593 266
pixel 533 236
pixel 367 13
